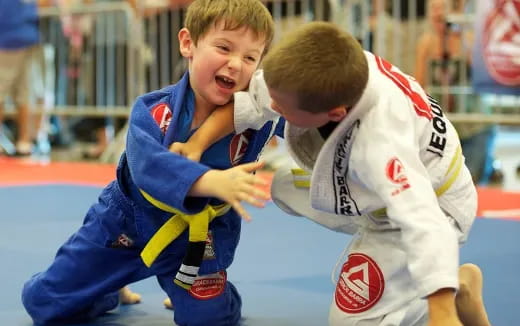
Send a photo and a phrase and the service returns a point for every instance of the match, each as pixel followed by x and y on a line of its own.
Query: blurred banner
pixel 496 54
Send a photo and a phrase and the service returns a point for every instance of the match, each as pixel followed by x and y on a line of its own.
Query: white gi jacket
pixel 382 166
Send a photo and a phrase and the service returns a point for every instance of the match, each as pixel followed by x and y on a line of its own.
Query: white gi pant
pixel 374 287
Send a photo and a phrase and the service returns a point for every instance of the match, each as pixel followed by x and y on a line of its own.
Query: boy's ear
pixel 185 43
pixel 338 113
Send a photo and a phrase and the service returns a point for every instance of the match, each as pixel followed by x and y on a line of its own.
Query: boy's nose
pixel 234 63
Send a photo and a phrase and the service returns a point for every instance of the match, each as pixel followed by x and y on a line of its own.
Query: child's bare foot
pixel 126 296
pixel 470 305
pixel 168 303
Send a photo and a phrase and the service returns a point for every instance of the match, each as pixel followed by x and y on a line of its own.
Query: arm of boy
pixel 250 110
pixel 388 162
pixel 233 186
pixel 194 182
pixel 441 308
pixel 219 124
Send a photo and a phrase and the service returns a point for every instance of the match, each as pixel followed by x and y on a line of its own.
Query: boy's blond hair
pixel 202 14
pixel 323 66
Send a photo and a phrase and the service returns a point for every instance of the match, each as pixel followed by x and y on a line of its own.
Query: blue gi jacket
pixel 149 166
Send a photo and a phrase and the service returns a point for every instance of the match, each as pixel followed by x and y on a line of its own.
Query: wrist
pixel 204 186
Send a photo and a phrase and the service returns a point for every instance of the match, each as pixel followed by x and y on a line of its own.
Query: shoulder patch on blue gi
pixel 361 284
pixel 238 146
pixel 209 286
pixel 162 114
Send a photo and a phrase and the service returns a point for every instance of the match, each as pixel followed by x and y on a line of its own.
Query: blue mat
pixel 282 267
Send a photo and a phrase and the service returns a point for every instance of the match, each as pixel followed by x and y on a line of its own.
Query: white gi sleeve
pixel 388 163
pixel 296 201
pixel 253 107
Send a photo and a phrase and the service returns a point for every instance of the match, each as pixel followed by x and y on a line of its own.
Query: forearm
pixel 204 186
pixel 219 124
pixel 441 304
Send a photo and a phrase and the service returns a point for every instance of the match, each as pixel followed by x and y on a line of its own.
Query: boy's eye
pixel 223 47
pixel 251 59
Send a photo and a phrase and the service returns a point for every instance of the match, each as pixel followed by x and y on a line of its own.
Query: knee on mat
pixel 41 309
pixel 222 311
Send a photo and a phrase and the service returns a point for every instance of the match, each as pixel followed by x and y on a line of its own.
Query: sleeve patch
pixel 162 114
pixel 396 174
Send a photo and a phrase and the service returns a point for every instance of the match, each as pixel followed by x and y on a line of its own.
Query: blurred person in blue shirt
pixel 19 37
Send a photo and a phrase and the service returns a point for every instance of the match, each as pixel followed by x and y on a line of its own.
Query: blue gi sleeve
pixel 164 176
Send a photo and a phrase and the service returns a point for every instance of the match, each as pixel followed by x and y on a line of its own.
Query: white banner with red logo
pixel 496 53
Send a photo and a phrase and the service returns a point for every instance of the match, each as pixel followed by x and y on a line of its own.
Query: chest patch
pixel 162 114
pixel 238 146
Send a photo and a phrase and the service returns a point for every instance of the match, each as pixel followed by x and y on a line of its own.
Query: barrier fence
pixel 98 58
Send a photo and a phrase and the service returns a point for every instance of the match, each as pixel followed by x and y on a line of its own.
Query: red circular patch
pixel 395 171
pixel 360 286
pixel 209 286
pixel 500 38
pixel 162 114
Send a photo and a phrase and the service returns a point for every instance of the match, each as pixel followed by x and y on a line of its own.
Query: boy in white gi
pixel 383 161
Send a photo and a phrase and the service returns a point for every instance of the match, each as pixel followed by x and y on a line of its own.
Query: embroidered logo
pixel 123 241
pixel 500 42
pixel 345 204
pixel 209 286
pixel 209 251
pixel 395 173
pixel 162 114
pixel 360 286
pixel 238 146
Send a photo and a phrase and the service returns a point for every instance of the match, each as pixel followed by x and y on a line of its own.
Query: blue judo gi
pixel 104 254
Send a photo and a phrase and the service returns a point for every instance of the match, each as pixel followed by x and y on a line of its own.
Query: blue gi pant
pixel 83 281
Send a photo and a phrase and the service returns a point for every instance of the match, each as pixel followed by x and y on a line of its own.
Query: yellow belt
pixel 179 222
pixel 301 179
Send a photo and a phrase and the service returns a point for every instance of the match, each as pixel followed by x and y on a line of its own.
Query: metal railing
pixel 117 54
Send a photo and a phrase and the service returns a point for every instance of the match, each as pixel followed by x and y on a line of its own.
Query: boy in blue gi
pixel 131 227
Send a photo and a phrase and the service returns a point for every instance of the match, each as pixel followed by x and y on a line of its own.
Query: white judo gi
pixel 393 171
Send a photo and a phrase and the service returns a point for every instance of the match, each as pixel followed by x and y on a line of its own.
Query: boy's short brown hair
pixel 322 65
pixel 202 14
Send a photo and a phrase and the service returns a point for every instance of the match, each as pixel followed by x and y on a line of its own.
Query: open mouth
pixel 225 82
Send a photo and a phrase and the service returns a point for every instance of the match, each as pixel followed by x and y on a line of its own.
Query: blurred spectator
pixel 86 50
pixel 81 33
pixel 441 42
pixel 443 56
pixel 398 26
pixel 19 37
